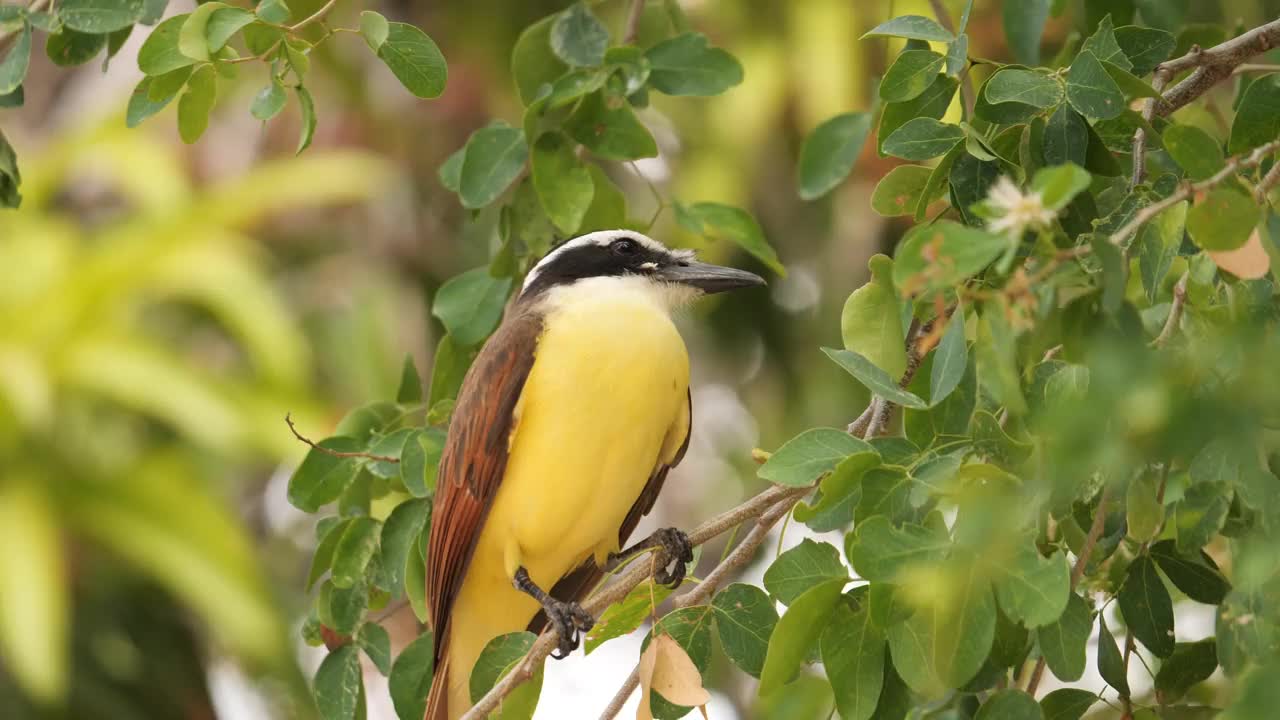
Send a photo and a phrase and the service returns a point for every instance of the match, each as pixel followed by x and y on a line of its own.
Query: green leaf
pixel 1024 86
pixel 691 628
pixel 1189 665
pixel 397 545
pixel 1144 513
pixel 308 107
pixel 875 379
pixel 273 11
pixel 911 74
pixel 13 68
pixel 797 633
pixel 1102 44
pixel 810 454
pixel 1060 184
pixel 624 616
pixel 800 568
pixel 1146 607
pixel 870 323
pixel 1023 26
pixel 609 128
pixel 470 305
pixel 853 655
pixel 1145 47
pixel 533 63
pixel 879 552
pixel 829 152
pixel 1131 86
pixel 494 158
pixel 321 478
pixel 268 102
pixel 13 99
pixel 374 28
pixel 949 360
pixel 497 659
pixel 1223 220
pixel 943 645
pixel 578 37
pixel 376 643
pixel 45 21
pixel 1067 704
pixel 100 16
pixel 1194 150
pixel 913 27
pixel 35 597
pixel 902 191
pixel 922 138
pixel 608 205
pixel 687 65
pixel 159 54
pixel 1200 515
pixel 932 103
pixel 1159 241
pixel 563 183
pixel 1090 89
pixel 745 620
pixel 1111 664
pixel 839 489
pixel 716 221
pixel 1257 118
pixel 955 253
pixel 224 23
pixel 414 59
pixel 1063 641
pixel 410 390
pixel 1113 272
pixel 141 106
pixel 1033 589
pixel 1010 704
pixel 411 676
pixel 357 546
pixel 338 684
pixel 191 39
pixel 1066 137
pixel 1193 573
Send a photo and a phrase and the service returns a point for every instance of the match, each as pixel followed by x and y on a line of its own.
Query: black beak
pixel 709 278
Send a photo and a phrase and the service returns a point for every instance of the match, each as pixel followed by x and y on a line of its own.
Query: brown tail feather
pixel 438 698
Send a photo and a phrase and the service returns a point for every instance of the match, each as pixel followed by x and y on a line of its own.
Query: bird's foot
pixel 674 553
pixel 570 620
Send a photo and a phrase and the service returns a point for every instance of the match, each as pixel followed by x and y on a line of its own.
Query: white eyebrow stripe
pixel 600 237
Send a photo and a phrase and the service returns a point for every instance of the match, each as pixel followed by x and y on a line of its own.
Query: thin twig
pixel 1255 67
pixel 1269 181
pixel 966 82
pixel 773 502
pixel 1175 311
pixel 633 22
pixel 1188 190
pixel 35 6
pixel 1158 82
pixel 316 16
pixel 383 458
pixel 1214 64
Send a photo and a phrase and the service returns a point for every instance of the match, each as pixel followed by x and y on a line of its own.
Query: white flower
pixel 1016 212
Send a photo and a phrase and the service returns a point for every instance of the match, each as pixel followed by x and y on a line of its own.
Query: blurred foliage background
pixel 162 306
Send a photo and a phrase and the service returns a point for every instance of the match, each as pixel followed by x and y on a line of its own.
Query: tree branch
pixel 633 22
pixel 773 503
pixel 966 82
pixel 1175 311
pixel 1214 65
pixel 335 453
pixel 1188 190
pixel 317 15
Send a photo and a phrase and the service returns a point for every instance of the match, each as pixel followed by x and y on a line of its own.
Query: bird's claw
pixel 570 620
pixel 675 554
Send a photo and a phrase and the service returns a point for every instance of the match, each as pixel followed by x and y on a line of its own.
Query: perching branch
pixel 1188 190
pixel 966 82
pixel 335 453
pixel 773 502
pixel 1214 65
pixel 633 22
pixel 1175 311
pixel 316 16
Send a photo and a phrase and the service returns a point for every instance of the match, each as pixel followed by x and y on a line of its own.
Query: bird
pixel 562 434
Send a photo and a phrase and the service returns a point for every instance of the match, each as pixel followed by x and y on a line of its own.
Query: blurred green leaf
pixel 1200 515
pixel 563 183
pixel 376 643
pixel 916 27
pixel 1059 185
pixel 876 380
pixel 34 597
pixel 966 251
pixel 840 488
pixel 829 152
pixel 374 29
pixel 273 11
pixel 1032 589
pixel 159 54
pixel 1067 704
pixel 910 74
pixel 196 103
pixel 1010 704
pixel 1144 47
pixel 853 655
pixel 921 139
pixel 1023 26
pixel 397 545
pixel 410 390
pixel 879 552
pixel 1257 119
pixel 356 547
pixel 944 645
pixel 870 322
pixel 1146 607
pixel 608 208
pixel 1194 150
pixel 495 156
pixel 717 221
pixel 497 659
pixel 100 16
pixel 192 41
pixel 1223 220
pixel 797 633
pixel 223 24
pixel 1193 573
pixel 321 477
pixel 411 677
pixel 420 461
pixel 1143 511
pixel 470 305
pixel 1063 642
pixel 609 128
pixel 801 567
pixel 902 191
pixel 533 62
pixel 949 360
pixel 802 459
pixel 687 65
pixel 745 620
pixel 268 102
pixel 1066 137
pixel 624 616
pixel 578 37
pixel 1160 241
pixel 1111 665
pixel 141 106
pixel 338 684
pixel 1190 664
pixel 414 59
pixel 322 558
pixel 932 103
pixel 13 68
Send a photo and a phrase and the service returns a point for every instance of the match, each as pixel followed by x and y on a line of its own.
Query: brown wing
pixel 474 460
pixel 578 583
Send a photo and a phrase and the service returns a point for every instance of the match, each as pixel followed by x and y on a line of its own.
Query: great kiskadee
pixel 563 432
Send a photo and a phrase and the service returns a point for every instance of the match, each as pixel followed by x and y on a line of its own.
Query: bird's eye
pixel 623 246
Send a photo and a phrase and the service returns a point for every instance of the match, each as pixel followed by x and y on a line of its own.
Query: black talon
pixel 568 618
pixel 673 547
